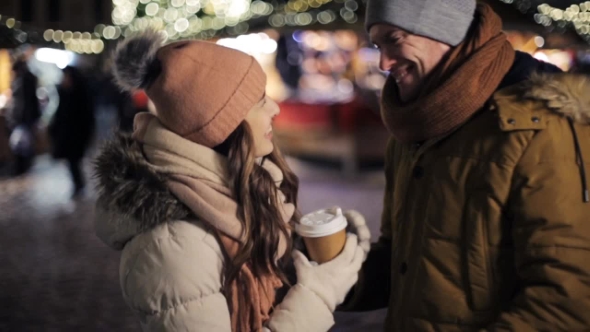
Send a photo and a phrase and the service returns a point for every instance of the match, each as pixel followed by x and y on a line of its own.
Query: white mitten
pixel 332 280
pixel 358 226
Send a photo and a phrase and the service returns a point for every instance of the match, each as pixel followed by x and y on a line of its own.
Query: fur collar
pixel 564 93
pixel 132 197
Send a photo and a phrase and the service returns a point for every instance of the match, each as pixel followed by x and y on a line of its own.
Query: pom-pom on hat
pixel 202 91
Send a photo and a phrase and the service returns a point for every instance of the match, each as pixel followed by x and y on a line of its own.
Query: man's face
pixel 409 58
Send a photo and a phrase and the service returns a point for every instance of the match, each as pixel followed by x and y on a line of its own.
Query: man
pixel 486 221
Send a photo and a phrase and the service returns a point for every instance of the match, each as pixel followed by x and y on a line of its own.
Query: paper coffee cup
pixel 324 234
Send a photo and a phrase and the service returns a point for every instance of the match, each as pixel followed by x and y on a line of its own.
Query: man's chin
pixel 406 96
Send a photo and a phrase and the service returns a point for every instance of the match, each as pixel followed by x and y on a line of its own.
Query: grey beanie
pixel 444 20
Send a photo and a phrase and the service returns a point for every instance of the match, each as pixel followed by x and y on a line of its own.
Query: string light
pixel 79 42
pixel 201 19
pixel 207 18
pixel 576 16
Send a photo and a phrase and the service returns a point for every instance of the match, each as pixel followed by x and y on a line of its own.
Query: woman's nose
pixel 275 110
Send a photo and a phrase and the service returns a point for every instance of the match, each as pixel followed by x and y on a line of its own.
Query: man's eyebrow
pixel 374 39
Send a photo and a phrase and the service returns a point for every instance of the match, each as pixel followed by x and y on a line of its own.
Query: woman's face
pixel 260 119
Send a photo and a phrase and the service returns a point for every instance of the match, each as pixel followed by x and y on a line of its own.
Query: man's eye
pixel 392 40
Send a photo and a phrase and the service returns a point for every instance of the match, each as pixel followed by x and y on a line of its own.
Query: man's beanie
pixel 202 91
pixel 444 20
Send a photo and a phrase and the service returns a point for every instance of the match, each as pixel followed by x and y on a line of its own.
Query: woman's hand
pixel 332 280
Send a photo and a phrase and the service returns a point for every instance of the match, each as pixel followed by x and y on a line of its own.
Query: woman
pixel 200 201
pixel 72 126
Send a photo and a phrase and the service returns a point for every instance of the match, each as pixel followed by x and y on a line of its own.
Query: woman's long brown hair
pixel 255 192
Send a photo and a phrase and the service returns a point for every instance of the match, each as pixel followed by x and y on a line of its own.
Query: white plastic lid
pixel 321 223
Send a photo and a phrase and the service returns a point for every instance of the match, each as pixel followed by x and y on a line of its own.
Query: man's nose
pixel 386 62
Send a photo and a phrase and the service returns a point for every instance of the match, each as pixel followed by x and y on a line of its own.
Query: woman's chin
pixel 264 151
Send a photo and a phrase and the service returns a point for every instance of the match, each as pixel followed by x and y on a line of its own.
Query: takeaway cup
pixel 324 233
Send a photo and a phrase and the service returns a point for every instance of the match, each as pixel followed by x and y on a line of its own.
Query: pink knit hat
pixel 202 91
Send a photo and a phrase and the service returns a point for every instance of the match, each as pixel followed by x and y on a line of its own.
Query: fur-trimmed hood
pixel 132 196
pixel 564 93
pixel 567 95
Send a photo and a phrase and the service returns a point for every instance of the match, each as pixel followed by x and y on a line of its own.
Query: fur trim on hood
pixel 567 95
pixel 132 197
pixel 563 93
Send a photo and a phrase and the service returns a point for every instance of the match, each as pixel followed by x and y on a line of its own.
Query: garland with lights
pixel 575 16
pixel 182 19
pixel 80 42
pixel 204 19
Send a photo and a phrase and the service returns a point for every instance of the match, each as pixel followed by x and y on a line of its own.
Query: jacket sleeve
pixel 372 291
pixel 300 310
pixel 174 284
pixel 551 234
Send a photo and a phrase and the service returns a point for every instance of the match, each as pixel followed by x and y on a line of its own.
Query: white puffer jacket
pixel 171 266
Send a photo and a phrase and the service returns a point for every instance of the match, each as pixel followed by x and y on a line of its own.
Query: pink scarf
pixel 198 178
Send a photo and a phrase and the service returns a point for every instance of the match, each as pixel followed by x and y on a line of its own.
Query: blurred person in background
pixel 201 202
pixel 23 116
pixel 486 213
pixel 71 128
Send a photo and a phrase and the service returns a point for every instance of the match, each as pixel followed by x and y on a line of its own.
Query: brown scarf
pixel 198 178
pixel 458 87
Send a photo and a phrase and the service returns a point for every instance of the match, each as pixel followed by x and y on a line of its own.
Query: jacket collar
pixel 132 196
pixel 563 93
pixel 523 68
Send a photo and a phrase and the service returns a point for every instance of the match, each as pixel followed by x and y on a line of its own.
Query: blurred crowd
pixel 65 126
